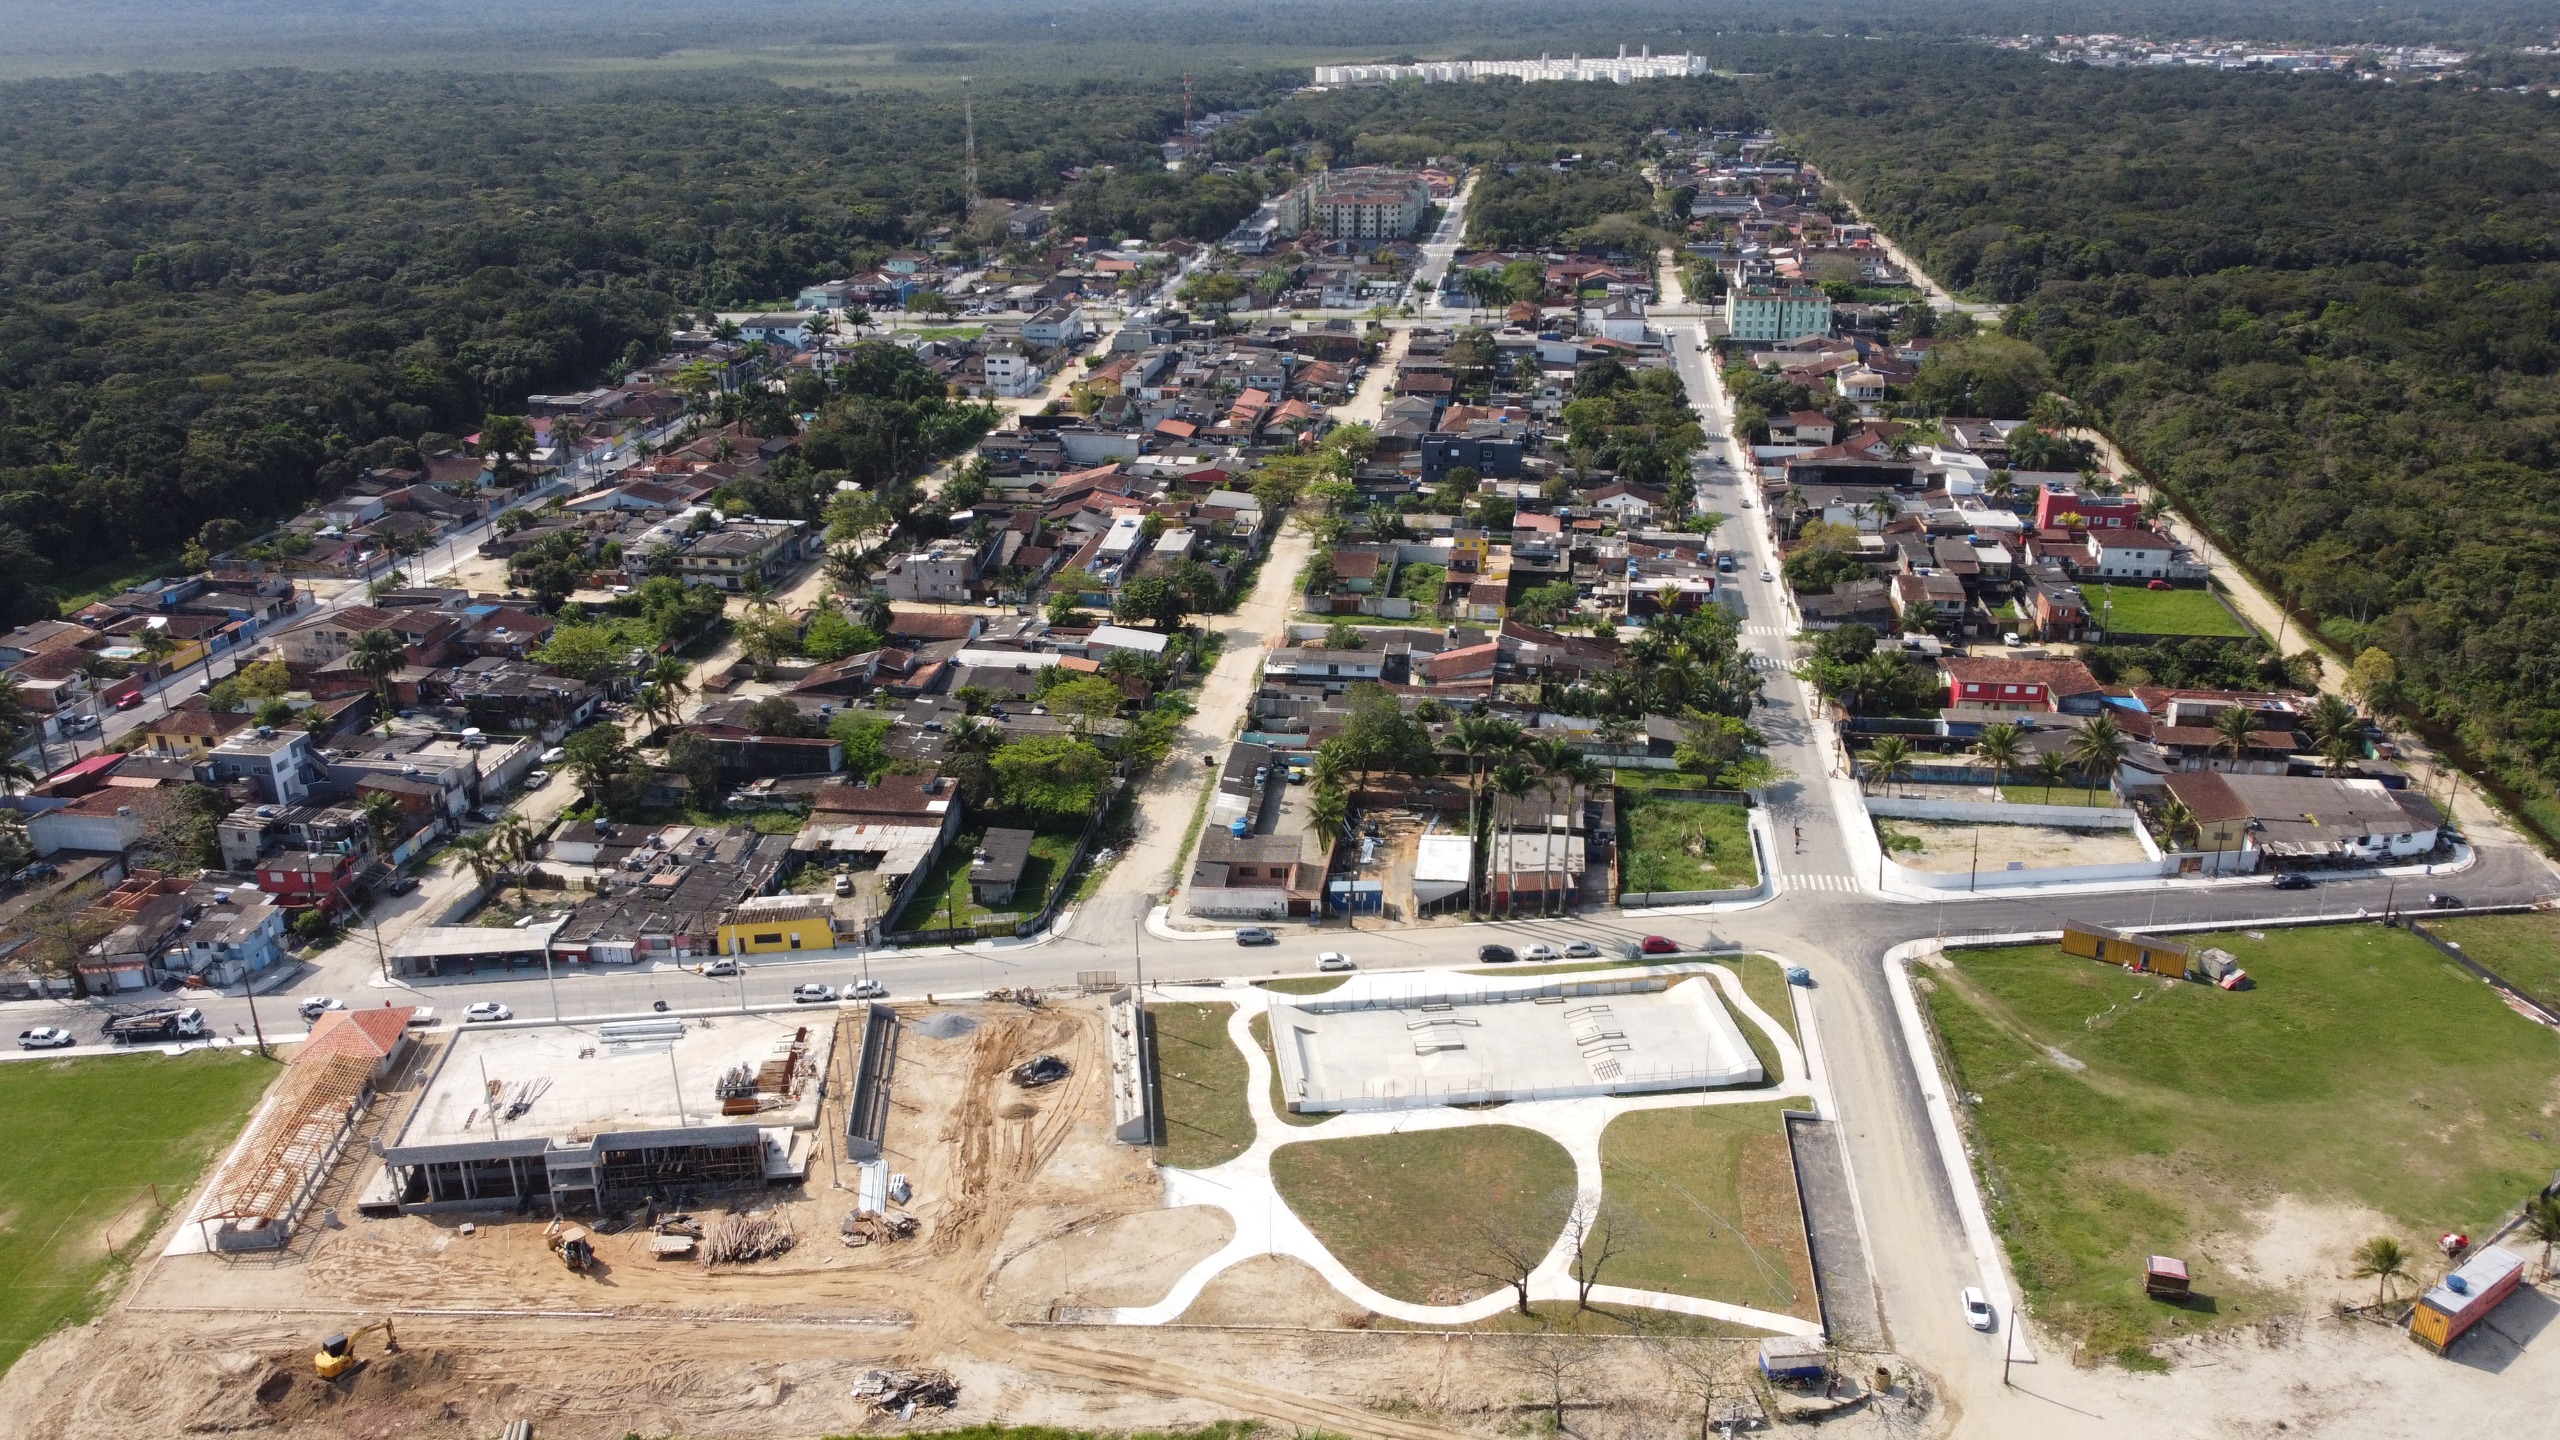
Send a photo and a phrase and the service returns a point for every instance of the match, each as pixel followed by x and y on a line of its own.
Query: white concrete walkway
pixel 1265 1225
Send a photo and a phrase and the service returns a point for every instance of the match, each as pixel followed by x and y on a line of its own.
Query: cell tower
pixel 968 146
pixel 1186 102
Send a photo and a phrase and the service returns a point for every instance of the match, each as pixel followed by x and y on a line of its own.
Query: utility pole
pixel 968 149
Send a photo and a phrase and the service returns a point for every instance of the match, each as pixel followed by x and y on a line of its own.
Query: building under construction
pixel 595 1118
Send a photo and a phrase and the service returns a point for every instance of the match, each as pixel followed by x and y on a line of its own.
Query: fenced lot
pixel 87 1140
pixel 2139 610
pixel 2367 1085
pixel 1680 845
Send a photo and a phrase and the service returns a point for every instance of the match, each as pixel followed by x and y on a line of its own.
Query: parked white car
pixel 319 1005
pixel 812 994
pixel 1539 952
pixel 487 1010
pixel 1583 950
pixel 866 990
pixel 45 1037
pixel 1334 960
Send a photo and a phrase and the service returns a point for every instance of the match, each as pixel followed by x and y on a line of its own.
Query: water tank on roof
pixel 2457 1284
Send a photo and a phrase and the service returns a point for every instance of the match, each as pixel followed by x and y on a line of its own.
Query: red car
pixel 2160 585
pixel 129 702
pixel 1659 945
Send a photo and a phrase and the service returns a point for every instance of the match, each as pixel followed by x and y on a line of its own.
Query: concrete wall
pixel 2224 862
pixel 1985 812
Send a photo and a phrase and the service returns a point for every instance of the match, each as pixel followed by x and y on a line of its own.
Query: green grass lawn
pixel 2124 1115
pixel 1657 780
pixel 1765 981
pixel 1261 1027
pixel 86 1139
pixel 1683 845
pixel 1410 1213
pixel 2523 950
pixel 1421 583
pixel 1710 1193
pixel 1302 984
pixel 943 902
pixel 2140 610
pixel 2029 793
pixel 1206 1121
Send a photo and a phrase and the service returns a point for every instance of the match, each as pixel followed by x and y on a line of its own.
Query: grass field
pixel 1261 1025
pixel 2140 610
pixel 1765 981
pixel 2123 1115
pixel 1711 1195
pixel 1409 1213
pixel 1206 1121
pixel 943 900
pixel 1302 984
pixel 1684 845
pixel 2086 797
pixel 2523 950
pixel 86 1141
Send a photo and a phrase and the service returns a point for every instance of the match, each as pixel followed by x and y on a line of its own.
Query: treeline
pixel 214 290
pixel 2325 314
pixel 1535 206
pixel 1497 121
pixel 1160 204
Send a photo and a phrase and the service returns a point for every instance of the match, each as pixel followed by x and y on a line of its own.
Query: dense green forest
pixel 1533 205
pixel 215 290
pixel 2326 314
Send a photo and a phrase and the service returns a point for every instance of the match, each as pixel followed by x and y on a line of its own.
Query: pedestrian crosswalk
pixel 1771 630
pixel 1820 882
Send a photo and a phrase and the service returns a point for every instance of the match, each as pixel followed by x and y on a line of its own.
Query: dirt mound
pixel 289 1393
pixel 943 1025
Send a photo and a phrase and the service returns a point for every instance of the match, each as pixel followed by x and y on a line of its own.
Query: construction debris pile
pixel 864 1227
pixel 676 1238
pixel 903 1392
pixel 1024 995
pixel 1039 1070
pixel 746 1238
pixel 744 1089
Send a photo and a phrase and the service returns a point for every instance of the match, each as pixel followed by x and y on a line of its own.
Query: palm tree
pixel 2233 729
pixel 381 820
pixel 758 592
pixel 473 850
pixel 2328 719
pixel 512 842
pixel 16 775
pixel 2341 754
pixel 2098 748
pixel 670 675
pixel 2383 1261
pixel 1479 738
pixel 2051 769
pixel 2154 505
pixel 1327 808
pixel 1554 761
pixel 1889 760
pixel 1581 777
pixel 2542 1225
pixel 1512 781
pixel 2177 820
pixel 2000 746
pixel 378 655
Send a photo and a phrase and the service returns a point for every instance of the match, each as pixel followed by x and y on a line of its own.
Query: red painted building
pixel 300 879
pixel 2096 512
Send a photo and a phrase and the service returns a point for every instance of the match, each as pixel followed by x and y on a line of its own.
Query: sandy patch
pixel 2305 1248
pixel 1127 1260
pixel 1949 848
pixel 1272 1290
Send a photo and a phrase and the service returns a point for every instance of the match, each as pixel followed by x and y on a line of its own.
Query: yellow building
pixel 2133 952
pixel 771 923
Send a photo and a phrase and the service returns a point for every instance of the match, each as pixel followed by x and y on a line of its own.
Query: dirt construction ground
pixel 1029 1211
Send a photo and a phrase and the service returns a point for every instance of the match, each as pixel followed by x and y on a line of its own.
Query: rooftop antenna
pixel 968 147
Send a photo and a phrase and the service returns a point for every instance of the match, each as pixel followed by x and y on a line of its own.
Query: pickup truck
pixel 150 1027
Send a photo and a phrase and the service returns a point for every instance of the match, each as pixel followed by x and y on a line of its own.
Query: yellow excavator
pixel 338 1353
pixel 571 1244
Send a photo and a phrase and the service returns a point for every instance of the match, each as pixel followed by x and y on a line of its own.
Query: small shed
pixel 2164 1277
pixel 1796 1358
pixel 2133 952
pixel 2465 1298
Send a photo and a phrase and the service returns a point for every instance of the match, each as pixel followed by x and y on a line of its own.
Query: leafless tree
pixel 1554 1371
pixel 1505 1251
pixel 1703 1372
pixel 1595 1231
